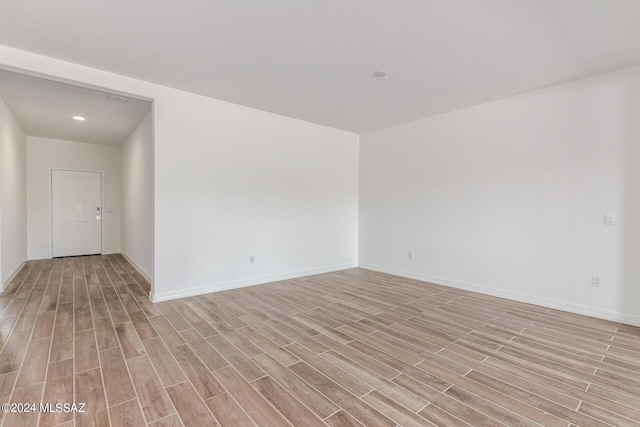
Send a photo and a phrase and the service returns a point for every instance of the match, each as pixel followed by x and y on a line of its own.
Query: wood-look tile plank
pixel 405 341
pixel 606 416
pixel 374 341
pixel 394 410
pixel 286 403
pixel 205 329
pixel 516 383
pixel 44 325
pixel 381 369
pixel 298 336
pixel 7 382
pixel 228 412
pixel 441 417
pixel 35 363
pixel 614 396
pixel 209 356
pixel 191 409
pixel 294 384
pixel 358 409
pixel 260 411
pixel 177 321
pixel 268 346
pixel 117 311
pixel 151 394
pixel 93 287
pixel 464 412
pixel 82 318
pixel 117 382
pixel 144 328
pixel 109 293
pixel 86 354
pixel 406 398
pixel 99 308
pixel 496 412
pixel 13 352
pixel 147 306
pixel 167 332
pixel 105 333
pixel 236 358
pixel 89 390
pixel 321 327
pixel 342 419
pixel 201 378
pixel 204 313
pixel 170 421
pixel 123 290
pixel 241 342
pixel 551 411
pixel 129 341
pixel 58 389
pixel 6 326
pixel 267 330
pixel 432 377
pixel 163 362
pixel 30 394
pixel 126 414
pixel 222 312
pixel 64 313
pixel 62 344
pixel 340 376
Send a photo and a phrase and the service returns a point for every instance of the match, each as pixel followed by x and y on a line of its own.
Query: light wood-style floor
pixel 341 349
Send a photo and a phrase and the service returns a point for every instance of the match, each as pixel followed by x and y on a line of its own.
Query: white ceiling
pixel 314 59
pixel 45 108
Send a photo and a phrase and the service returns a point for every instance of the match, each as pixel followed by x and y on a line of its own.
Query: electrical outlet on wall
pixel 595 281
pixel 252 259
pixel 410 254
pixel 608 219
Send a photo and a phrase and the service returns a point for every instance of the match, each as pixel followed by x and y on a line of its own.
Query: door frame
pixel 102 210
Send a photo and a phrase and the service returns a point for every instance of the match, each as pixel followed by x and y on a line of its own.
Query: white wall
pixel 508 197
pixel 137 197
pixel 231 182
pixel 13 202
pixel 43 155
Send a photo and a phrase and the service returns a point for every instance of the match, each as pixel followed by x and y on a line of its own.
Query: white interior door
pixel 76 199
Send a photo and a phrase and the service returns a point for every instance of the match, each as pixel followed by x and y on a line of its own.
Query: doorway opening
pixel 70 129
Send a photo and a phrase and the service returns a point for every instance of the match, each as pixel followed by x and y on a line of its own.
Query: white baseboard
pixel 12 276
pixel 111 252
pixel 628 319
pixel 139 269
pixel 164 296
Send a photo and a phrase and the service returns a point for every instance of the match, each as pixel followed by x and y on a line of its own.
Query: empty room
pixel 355 213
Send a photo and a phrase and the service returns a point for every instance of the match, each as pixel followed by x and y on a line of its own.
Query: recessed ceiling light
pixel 379 73
pixel 79 118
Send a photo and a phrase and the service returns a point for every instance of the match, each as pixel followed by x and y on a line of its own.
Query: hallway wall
pixel 13 201
pixel 45 154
